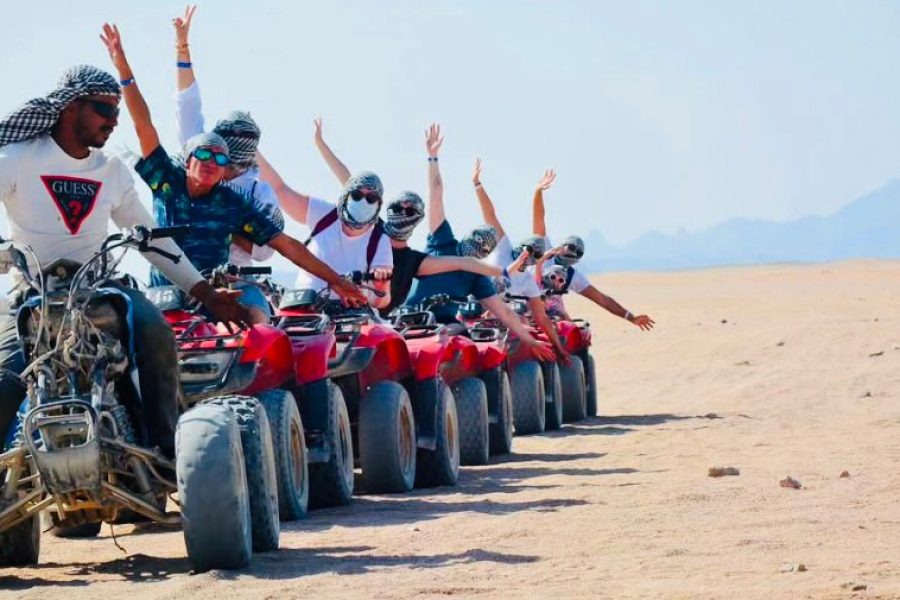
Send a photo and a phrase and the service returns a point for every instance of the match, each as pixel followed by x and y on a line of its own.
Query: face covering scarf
pixel 39 115
pixel 349 211
pixel 403 214
pixel 573 250
pixel 479 243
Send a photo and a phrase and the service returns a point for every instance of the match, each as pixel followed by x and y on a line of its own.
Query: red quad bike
pixel 576 337
pixel 475 371
pixel 361 396
pixel 536 385
pixel 80 450
pixel 250 370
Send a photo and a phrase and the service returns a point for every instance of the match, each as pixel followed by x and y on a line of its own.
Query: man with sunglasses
pixel 239 131
pixel 60 191
pixel 191 195
pixel 564 258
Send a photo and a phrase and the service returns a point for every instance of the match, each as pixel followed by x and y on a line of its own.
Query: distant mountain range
pixel 866 228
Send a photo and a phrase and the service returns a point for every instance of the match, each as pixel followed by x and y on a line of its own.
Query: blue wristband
pixel 432 159
pixel 183 65
pixel 126 82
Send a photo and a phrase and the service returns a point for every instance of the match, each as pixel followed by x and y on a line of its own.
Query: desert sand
pixel 776 370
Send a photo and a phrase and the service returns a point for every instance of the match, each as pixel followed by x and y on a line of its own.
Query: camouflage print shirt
pixel 213 218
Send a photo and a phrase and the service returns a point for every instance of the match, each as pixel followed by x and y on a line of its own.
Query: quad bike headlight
pixel 205 367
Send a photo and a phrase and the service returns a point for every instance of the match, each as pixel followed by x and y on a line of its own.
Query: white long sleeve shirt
pixel 189 122
pixel 61 206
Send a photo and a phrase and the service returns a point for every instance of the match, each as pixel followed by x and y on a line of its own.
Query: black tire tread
pixel 527 381
pixel 283 414
pixel 573 391
pixel 472 409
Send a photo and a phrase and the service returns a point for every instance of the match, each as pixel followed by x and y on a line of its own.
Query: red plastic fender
pixel 311 354
pixel 570 334
pixel 391 360
pixel 491 355
pixel 271 349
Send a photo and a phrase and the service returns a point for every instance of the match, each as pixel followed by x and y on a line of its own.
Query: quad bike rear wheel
pixel 528 398
pixel 259 461
pixel 331 482
pixel 496 382
pixel 289 444
pixel 440 466
pixel 573 394
pixel 20 545
pixel 553 392
pixel 387 439
pixel 591 377
pixel 212 489
pixel 472 407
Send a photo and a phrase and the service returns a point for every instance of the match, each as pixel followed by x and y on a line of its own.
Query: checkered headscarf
pixel 573 250
pixel 403 214
pixel 479 243
pixel 365 181
pixel 39 115
pixel 537 245
pixel 242 134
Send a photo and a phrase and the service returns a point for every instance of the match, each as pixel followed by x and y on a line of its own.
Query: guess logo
pixel 74 197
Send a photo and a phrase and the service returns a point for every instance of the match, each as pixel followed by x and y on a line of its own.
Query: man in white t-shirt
pixel 556 268
pixel 60 191
pixel 238 129
pixel 346 236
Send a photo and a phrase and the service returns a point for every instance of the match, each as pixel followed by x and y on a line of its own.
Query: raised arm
pixel 134 100
pixel 601 299
pixel 339 169
pixel 295 204
pixel 300 255
pixel 182 49
pixel 487 207
pixel 433 141
pixel 189 119
pixel 539 223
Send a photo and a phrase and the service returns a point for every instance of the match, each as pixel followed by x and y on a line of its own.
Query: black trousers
pixel 157 364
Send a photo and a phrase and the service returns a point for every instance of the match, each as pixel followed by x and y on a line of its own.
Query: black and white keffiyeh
pixel 536 246
pixel 242 134
pixel 365 182
pixel 39 115
pixel 479 243
pixel 403 214
pixel 573 250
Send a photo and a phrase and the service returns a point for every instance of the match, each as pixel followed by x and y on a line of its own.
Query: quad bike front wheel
pixel 289 444
pixel 553 396
pixel 573 395
pixel 387 439
pixel 212 489
pixel 259 462
pixel 528 398
pixel 496 382
pixel 591 376
pixel 472 408
pixel 440 466
pixel 331 482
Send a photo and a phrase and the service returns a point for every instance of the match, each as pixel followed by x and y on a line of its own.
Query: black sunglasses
pixel 371 197
pixel 408 211
pixel 107 111
pixel 574 250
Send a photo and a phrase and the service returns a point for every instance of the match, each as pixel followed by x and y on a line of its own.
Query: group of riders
pixel 60 190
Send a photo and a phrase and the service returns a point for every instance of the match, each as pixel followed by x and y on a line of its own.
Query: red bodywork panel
pixel 451 357
pixel 573 337
pixel 391 360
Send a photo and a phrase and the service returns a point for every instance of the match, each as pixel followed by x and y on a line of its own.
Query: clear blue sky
pixel 656 115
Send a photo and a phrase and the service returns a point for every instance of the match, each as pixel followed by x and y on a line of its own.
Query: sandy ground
pixel 775 370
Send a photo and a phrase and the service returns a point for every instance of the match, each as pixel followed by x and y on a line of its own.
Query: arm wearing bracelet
pixel 487 207
pixel 185 75
pixel 433 141
pixel 601 299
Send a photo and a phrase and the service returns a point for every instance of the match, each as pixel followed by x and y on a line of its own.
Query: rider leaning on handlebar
pixel 60 192
pixel 192 195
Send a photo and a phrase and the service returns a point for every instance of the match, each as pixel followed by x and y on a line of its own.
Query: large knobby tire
pixel 441 466
pixel 331 483
pixel 591 393
pixel 68 528
pixel 20 545
pixel 259 461
pixel 289 444
pixel 212 489
pixel 572 382
pixel 472 408
pixel 528 398
pixel 496 382
pixel 553 391
pixel 387 439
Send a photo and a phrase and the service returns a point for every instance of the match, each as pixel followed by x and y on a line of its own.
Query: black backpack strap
pixel 374 239
pixel 324 223
pixel 570 274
